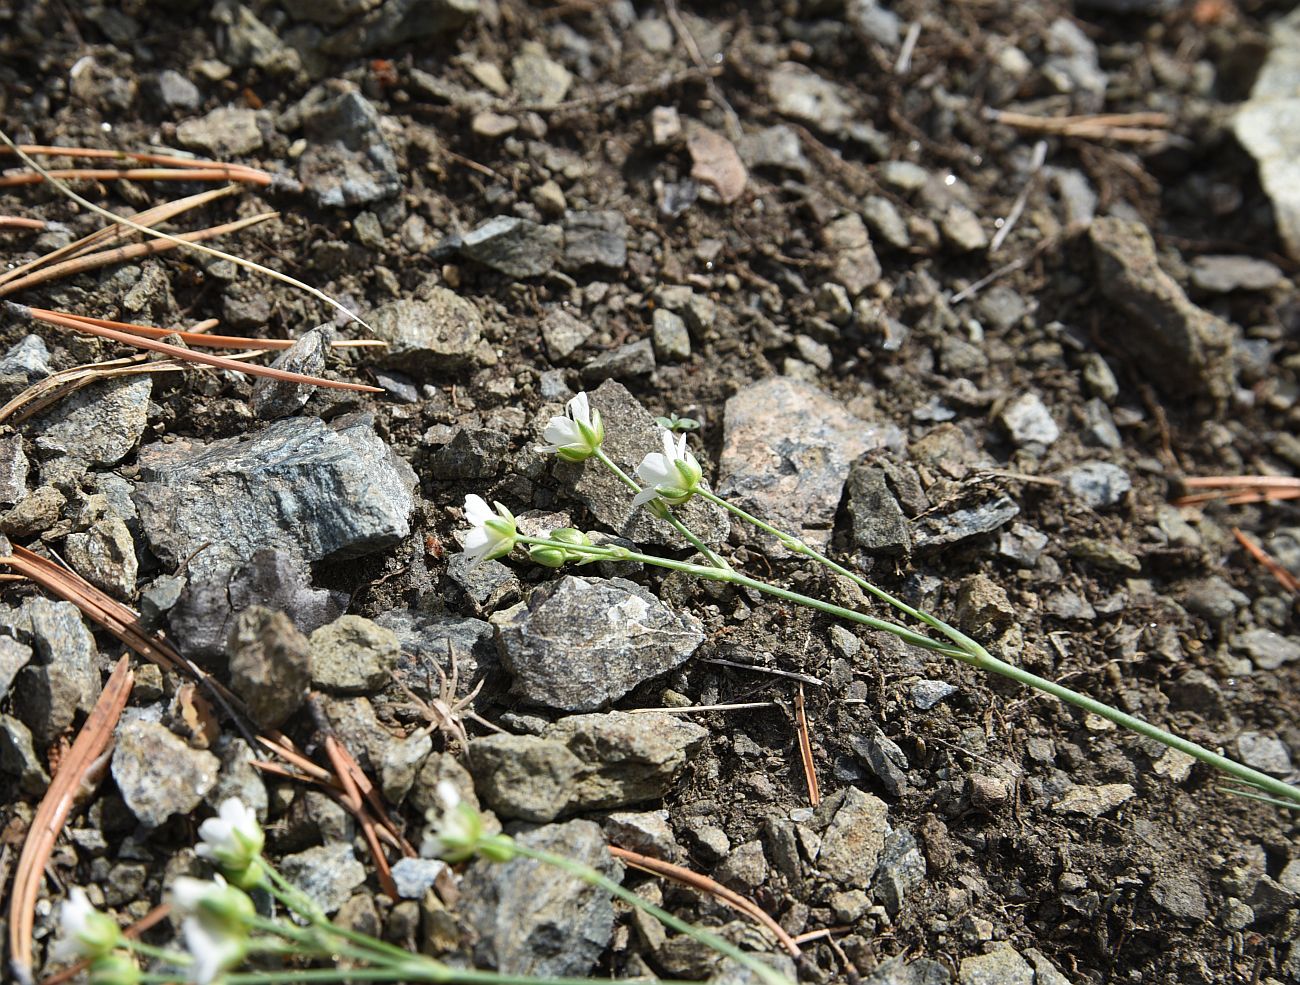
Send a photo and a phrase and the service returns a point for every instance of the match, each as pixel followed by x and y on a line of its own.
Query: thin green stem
pixel 974 654
pixel 298 901
pixel 668 515
pixel 160 953
pixel 591 876
pixel 736 578
pixel 312 941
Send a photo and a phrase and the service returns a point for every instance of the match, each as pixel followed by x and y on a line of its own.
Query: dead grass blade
pixel 1239 490
pixel 113 234
pixel 805 750
pixel 236 172
pixel 1125 128
pixel 188 355
pixel 119 254
pixel 704 884
pixel 1283 576
pixel 201 337
pixel 352 799
pixel 90 744
pixel 53 388
pixel 131 224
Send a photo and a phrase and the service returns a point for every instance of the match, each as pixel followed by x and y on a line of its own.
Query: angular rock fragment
pixel 579 643
pixel 582 763
pixel 157 772
pixel 786 451
pixel 311 489
pixel 1181 348
pixel 534 920
pixel 437 333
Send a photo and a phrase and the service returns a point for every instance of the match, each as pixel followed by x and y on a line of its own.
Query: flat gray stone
pixel 578 644
pixel 595 239
pixel 624 363
pixel 353 655
pixel 851 847
pixel 1266 753
pixel 98 425
pixel 1221 274
pixel 436 334
pixel 225 133
pixel 104 555
pixel 1266 649
pixel 583 763
pixel 533 919
pixel 19 759
pixel 158 774
pixel 1097 484
pixel 537 78
pixel 1004 966
pixel 415 876
pixel 563 333
pixel 64 676
pixel 327 873
pixel 1028 421
pixel 311 489
pixel 1180 347
pixel 786 451
pixel 800 93
pixel 513 246
pixel 14 469
pixel 1093 801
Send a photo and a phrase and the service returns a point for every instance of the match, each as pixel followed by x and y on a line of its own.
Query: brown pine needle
pixel 1238 490
pixel 20 222
pixel 114 233
pixel 197 247
pixel 805 750
pixel 118 254
pixel 119 174
pixel 55 806
pixel 199 338
pixel 1283 576
pixel 188 355
pixel 1128 128
pixel 236 172
pixel 686 877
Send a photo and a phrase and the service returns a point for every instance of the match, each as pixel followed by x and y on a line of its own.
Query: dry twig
pixel 1125 128
pixel 232 172
pixel 805 750
pixel 1284 578
pixel 1238 490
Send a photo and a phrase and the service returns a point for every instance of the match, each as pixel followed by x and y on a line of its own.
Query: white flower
pixel 215 927
pixel 214 947
pixel 233 840
pixel 491 535
pixel 84 932
pixel 577 436
pixel 453 834
pixel 673 476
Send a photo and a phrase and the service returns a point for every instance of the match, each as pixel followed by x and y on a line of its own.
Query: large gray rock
pixel 1004 966
pixel 436 334
pixel 786 452
pixel 579 643
pixel 311 489
pixel 582 763
pixel 630 434
pixel 158 774
pixel 98 425
pixel 533 919
pixel 1180 347
pixel 1268 126
pixel 348 160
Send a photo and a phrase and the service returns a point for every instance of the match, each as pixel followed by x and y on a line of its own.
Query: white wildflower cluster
pixel 215 915
pixel 670 478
